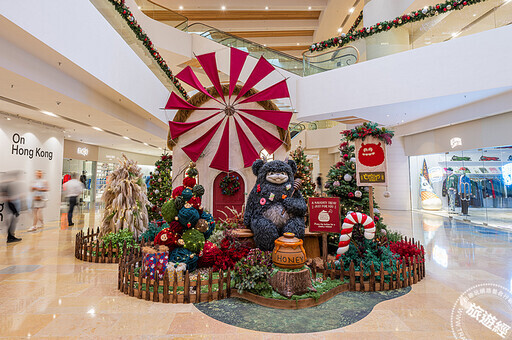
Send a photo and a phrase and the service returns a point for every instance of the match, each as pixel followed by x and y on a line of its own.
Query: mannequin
pixel 464 192
pixel 452 182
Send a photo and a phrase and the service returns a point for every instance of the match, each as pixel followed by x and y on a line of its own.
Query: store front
pixel 473 184
pixel 94 164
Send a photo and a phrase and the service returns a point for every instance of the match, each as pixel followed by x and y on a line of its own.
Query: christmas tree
pixel 160 186
pixel 125 200
pixel 304 171
pixel 341 182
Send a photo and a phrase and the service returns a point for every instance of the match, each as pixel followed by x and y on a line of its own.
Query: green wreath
pixel 230 185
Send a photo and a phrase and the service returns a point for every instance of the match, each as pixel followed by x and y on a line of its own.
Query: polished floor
pixel 46 293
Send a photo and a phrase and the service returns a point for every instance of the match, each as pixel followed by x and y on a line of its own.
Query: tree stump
pixel 292 283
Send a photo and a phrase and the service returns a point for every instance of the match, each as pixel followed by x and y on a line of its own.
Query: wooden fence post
pixel 352 273
pixel 166 287
pixel 228 284
pixel 198 288
pixel 186 288
pixel 175 287
pixel 220 293
pixel 372 278
pixel 156 286
pixel 210 285
pixel 381 283
pixel 361 277
pixel 342 270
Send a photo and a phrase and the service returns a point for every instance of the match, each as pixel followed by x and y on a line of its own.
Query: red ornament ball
pixel 189 182
pixel 196 202
pixel 210 251
pixel 177 191
pixel 350 194
pixel 167 238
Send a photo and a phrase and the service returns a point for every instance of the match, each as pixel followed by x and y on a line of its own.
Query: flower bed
pixel 108 249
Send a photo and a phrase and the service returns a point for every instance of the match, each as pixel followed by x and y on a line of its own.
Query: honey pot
pixel 289 252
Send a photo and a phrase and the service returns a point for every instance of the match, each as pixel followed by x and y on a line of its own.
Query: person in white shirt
pixel 39 189
pixel 72 188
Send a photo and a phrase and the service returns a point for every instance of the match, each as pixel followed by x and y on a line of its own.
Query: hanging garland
pixel 142 36
pixel 431 11
pixel 369 129
pixel 230 185
pixel 356 23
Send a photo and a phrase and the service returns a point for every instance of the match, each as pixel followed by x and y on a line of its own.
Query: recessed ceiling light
pixel 97 128
pixel 455 34
pixel 265 45
pixel 181 8
pixel 351 10
pixel 223 8
pixel 340 29
pixel 126 137
pixel 139 7
pixel 474 15
pixel 69 136
pixel 309 7
pixel 266 7
pixel 297 44
pixel 51 114
pixel 146 144
pixel 160 148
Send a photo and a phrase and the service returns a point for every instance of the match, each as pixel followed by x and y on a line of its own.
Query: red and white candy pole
pixel 347 227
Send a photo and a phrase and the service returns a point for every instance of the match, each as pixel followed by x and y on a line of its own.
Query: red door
pixel 222 202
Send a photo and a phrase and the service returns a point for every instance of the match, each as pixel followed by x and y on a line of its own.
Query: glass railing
pixel 329 60
pixel 453 24
pixel 163 14
pixel 276 58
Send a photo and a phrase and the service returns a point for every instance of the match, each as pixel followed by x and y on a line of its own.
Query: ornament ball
pixel 347 177
pixel 358 194
pixel 336 184
pixel 387 194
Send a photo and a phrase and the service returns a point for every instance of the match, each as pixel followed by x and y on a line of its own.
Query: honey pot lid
pixel 289 238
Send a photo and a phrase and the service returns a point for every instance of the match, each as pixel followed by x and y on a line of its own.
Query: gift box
pixel 176 269
pixel 155 263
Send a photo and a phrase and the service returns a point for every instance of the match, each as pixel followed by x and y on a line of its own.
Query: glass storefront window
pixel 472 185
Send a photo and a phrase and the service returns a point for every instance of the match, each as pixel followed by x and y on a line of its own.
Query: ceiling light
pixel 309 7
pixel 146 144
pixel 181 8
pixel 474 15
pixel 266 7
pixel 8 118
pixel 340 29
pixel 51 114
pixel 297 44
pixel 139 7
pixel 223 8
pixel 351 10
pixel 455 34
pixel 265 45
pixel 97 128
pixel 126 137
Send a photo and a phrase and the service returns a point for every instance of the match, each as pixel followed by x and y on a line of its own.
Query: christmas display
pixel 356 23
pixel 160 186
pixel 127 15
pixel 304 171
pixel 383 26
pixel 274 206
pixel 125 200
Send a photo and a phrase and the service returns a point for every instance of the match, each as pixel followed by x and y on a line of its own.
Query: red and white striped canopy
pixel 232 108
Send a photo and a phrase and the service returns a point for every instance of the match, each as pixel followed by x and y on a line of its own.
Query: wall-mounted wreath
pixel 230 185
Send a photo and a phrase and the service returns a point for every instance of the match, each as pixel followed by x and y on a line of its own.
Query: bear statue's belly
pixel 274 214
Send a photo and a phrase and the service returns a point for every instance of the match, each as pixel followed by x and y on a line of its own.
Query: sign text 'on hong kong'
pixel 18 148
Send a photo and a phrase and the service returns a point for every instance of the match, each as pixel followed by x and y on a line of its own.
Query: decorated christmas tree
pixel 125 200
pixel 304 171
pixel 160 186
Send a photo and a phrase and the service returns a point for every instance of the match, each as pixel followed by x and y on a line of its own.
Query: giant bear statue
pixel 273 206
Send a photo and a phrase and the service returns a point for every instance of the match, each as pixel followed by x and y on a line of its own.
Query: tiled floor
pixel 46 292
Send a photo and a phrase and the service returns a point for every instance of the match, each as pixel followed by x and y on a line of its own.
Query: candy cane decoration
pixel 348 225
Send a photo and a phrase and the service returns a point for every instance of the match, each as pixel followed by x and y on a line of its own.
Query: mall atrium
pixel 320 169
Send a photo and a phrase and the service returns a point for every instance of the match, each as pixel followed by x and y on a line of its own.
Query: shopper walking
pixel 319 183
pixel 11 196
pixel 39 189
pixel 73 189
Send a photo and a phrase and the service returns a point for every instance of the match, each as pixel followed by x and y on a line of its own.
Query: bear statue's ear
pixel 292 164
pixel 256 166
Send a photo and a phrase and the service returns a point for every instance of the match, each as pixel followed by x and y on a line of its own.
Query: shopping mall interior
pixel 232 169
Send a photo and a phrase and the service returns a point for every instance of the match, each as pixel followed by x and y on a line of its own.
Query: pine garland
pixel 127 15
pixel 431 11
pixel 369 129
pixel 356 23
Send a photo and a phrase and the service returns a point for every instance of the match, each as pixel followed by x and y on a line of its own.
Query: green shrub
pixel 252 273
